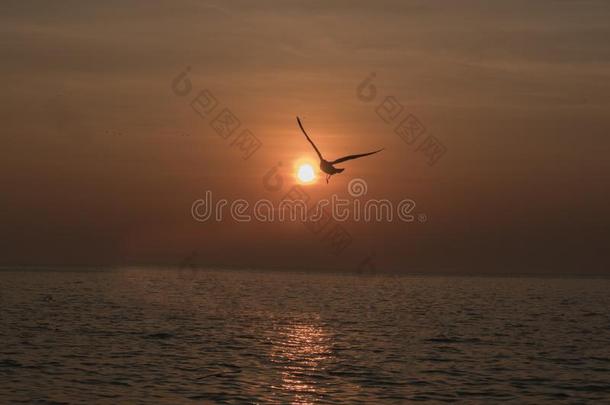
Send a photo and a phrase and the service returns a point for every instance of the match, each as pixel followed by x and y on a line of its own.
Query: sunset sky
pixel 100 160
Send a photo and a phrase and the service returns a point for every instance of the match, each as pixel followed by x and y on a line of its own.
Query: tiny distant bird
pixel 328 166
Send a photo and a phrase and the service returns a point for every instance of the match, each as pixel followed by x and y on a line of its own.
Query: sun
pixel 306 173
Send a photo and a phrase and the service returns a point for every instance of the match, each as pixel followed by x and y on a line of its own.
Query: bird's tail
pixel 339 170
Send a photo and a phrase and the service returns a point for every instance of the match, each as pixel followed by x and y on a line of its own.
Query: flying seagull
pixel 328 166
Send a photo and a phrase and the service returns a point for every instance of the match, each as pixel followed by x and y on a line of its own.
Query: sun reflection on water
pixel 301 351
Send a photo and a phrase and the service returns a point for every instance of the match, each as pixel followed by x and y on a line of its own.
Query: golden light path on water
pixel 301 351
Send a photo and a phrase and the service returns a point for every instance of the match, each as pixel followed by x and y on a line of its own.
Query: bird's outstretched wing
pixel 309 139
pixel 350 157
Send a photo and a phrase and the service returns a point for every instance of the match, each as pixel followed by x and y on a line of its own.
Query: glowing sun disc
pixel 305 173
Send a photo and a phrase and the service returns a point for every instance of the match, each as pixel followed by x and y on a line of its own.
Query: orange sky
pixel 100 161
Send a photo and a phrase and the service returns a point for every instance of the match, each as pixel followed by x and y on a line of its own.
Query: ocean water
pixel 197 337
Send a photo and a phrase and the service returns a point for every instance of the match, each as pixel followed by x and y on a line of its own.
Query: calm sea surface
pixel 170 336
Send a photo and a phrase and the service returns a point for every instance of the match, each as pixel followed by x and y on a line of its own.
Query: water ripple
pixel 153 336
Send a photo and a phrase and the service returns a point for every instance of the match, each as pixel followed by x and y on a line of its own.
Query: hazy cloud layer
pixel 101 161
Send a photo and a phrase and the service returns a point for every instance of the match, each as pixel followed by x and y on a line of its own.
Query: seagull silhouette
pixel 328 166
